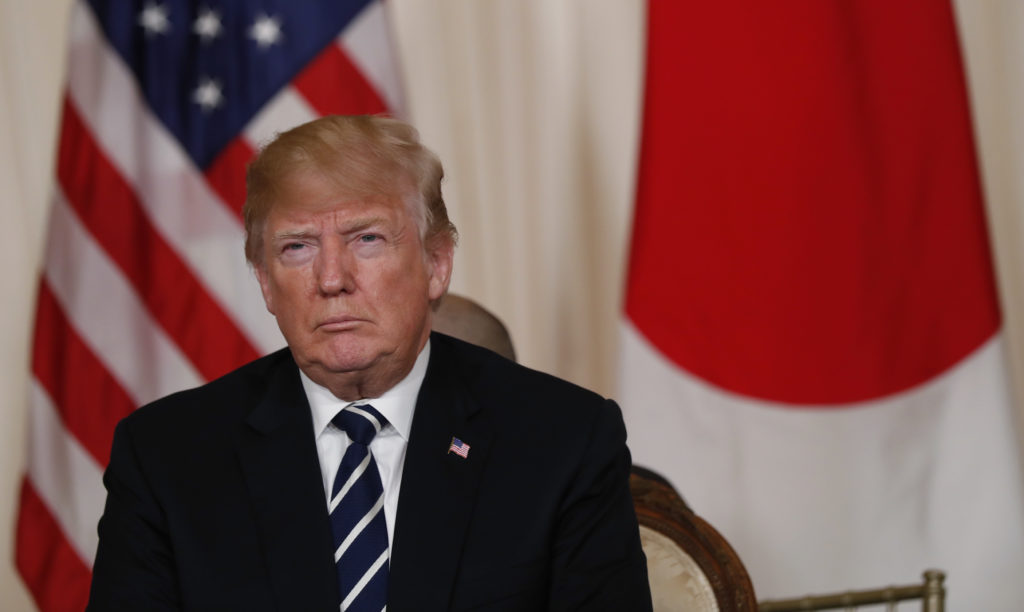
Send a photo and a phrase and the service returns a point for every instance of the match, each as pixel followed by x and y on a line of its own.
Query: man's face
pixel 349 283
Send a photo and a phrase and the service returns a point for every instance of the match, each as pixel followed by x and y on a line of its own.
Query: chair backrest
pixel 931 593
pixel 691 567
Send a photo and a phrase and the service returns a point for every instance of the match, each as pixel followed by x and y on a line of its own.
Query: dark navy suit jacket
pixel 215 499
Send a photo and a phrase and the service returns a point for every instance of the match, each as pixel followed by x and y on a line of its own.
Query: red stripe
pixel 226 175
pixel 53 572
pixel 112 212
pixel 89 400
pixel 333 85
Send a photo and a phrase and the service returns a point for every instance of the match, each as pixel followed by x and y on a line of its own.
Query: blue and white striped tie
pixel 357 515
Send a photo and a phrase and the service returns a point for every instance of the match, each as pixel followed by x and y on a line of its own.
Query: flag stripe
pixel 334 86
pixel 96 298
pixel 226 175
pixel 288 108
pixel 185 210
pixel 89 400
pixel 367 42
pixel 98 193
pixel 64 475
pixel 44 557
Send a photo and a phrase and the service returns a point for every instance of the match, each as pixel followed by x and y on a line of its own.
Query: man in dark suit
pixel 370 462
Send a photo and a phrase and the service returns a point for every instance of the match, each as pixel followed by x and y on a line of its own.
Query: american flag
pixel 145 289
pixel 459 447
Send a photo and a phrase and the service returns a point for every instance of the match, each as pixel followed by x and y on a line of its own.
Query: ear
pixel 264 277
pixel 440 258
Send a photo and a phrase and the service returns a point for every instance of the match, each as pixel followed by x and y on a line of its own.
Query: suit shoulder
pixel 222 397
pixel 495 375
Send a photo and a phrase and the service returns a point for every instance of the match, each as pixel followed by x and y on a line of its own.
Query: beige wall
pixel 533 107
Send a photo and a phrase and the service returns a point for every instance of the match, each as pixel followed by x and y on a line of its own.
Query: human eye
pixel 369 244
pixel 370 241
pixel 294 252
pixel 293 249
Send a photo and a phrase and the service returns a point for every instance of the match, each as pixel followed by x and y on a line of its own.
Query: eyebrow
pixel 355 226
pixel 292 235
pixel 359 225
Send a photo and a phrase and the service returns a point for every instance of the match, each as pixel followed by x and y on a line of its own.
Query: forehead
pixel 311 194
pixel 343 215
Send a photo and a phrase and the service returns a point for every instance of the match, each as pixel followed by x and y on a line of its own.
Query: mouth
pixel 339 323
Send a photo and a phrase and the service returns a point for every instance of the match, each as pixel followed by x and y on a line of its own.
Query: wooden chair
pixel 931 593
pixel 690 565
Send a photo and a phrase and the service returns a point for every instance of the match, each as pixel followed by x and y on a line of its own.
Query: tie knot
pixel 361 423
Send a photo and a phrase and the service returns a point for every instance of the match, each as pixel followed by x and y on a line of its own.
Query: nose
pixel 334 271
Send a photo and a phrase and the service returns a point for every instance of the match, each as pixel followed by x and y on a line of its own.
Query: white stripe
pixel 105 310
pixel 367 42
pixel 65 475
pixel 358 588
pixel 860 496
pixel 366 415
pixel 285 110
pixel 356 473
pixel 177 199
pixel 358 528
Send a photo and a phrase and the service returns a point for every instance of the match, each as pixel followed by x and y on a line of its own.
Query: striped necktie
pixel 357 515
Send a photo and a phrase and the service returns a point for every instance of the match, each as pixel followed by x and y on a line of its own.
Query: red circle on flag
pixel 809 226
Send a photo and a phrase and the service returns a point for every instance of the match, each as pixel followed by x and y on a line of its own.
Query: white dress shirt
pixel 388 447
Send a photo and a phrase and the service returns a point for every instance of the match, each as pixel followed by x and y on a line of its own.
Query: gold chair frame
pixel 932 594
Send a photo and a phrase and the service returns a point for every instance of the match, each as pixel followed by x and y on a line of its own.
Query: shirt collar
pixel 397 404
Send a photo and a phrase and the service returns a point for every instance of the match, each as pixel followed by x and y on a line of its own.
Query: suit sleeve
pixel 597 562
pixel 134 568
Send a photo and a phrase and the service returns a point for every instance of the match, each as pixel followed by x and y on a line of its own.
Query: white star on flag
pixel 266 31
pixel 208 94
pixel 207 25
pixel 153 19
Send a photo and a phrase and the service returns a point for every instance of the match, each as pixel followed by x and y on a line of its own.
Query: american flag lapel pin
pixel 459 447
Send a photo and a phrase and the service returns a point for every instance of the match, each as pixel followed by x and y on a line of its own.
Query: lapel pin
pixel 459 447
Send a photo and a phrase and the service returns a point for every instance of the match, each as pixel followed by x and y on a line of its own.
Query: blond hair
pixel 367 156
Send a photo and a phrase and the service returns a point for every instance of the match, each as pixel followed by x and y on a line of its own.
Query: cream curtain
pixel 32 49
pixel 534 108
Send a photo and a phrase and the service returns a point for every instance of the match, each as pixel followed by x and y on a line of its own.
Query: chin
pixel 340 365
pixel 350 357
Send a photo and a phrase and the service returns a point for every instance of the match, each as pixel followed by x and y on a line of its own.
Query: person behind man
pixel 370 463
pixel 463 318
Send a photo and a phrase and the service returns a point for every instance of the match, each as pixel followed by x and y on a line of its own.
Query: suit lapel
pixel 438 488
pixel 278 457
